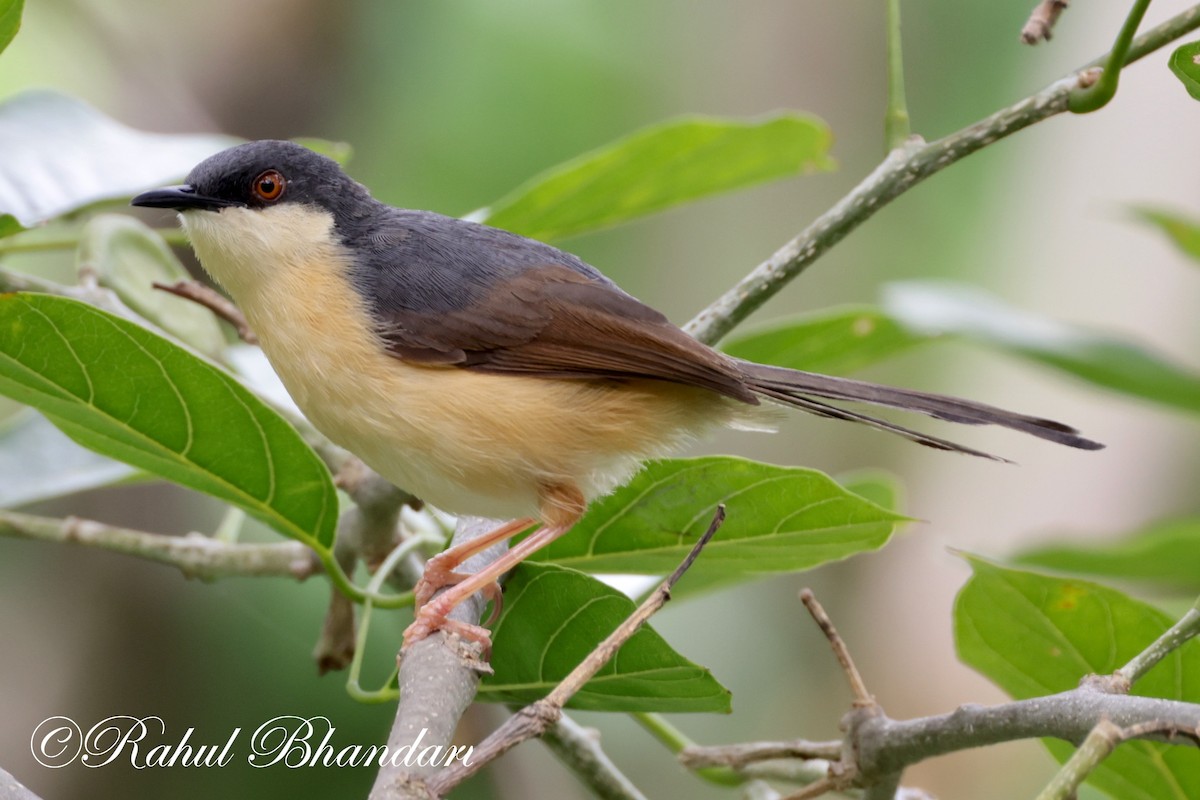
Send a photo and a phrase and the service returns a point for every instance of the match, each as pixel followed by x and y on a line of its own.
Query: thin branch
pixel 815 789
pixel 901 170
pixel 195 555
pixel 1182 631
pixel 1103 739
pixel 579 748
pixel 215 302
pixel 535 718
pixel 1040 25
pixel 862 697
pixel 740 755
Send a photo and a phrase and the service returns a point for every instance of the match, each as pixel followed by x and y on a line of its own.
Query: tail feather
pixel 797 388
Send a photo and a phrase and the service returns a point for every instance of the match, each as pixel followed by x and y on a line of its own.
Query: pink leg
pixel 439 570
pixel 432 615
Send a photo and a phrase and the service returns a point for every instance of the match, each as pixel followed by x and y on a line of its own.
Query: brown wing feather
pixel 551 321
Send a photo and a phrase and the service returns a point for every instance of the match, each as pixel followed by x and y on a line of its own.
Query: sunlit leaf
pixel 129 258
pixel 778 519
pixel 912 314
pixel 1035 635
pixel 1185 63
pixel 1166 552
pixel 61 154
pixel 1183 231
pixel 38 462
pixel 10 20
pixel 554 617
pixel 125 392
pixel 659 167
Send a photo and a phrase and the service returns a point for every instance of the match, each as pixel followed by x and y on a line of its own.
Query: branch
pixel 1040 25
pixel 195 555
pixel 579 748
pixel 438 678
pixel 215 302
pixel 901 170
pixel 537 717
pixel 737 756
pixel 1183 630
pixel 876 749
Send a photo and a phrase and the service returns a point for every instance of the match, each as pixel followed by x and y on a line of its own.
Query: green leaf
pixel 1183 231
pixel 1185 63
pixel 876 485
pixel 832 341
pixel 554 617
pixel 1035 635
pixel 1167 552
pixel 61 154
pixel 128 257
pixel 10 21
pixel 1102 359
pixel 659 167
pixel 38 462
pixel 123 391
pixel 778 519
pixel 9 225
pixel 915 313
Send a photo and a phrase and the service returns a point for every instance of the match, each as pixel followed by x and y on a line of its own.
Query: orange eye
pixel 269 185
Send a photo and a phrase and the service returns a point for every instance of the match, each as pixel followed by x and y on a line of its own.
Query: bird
pixel 485 372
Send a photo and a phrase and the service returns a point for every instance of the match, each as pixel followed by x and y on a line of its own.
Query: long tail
pixel 800 389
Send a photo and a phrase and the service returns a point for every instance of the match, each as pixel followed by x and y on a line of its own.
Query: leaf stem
pixel 677 741
pixel 896 128
pixel 354 688
pixel 1092 98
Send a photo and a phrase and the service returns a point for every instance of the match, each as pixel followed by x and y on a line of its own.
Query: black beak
pixel 181 198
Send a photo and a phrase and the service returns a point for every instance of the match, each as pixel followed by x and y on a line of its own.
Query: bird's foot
pixel 432 617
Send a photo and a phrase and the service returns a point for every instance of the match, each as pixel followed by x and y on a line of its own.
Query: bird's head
pixel 250 207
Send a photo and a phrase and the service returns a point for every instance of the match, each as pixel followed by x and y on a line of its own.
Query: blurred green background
pixel 448 106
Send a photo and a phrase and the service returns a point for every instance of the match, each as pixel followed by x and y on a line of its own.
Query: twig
pixel 862 697
pixel 195 555
pixel 740 755
pixel 1040 25
pixel 536 717
pixel 579 748
pixel 1185 629
pixel 900 171
pixel 1103 739
pixel 215 302
pixel 815 789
